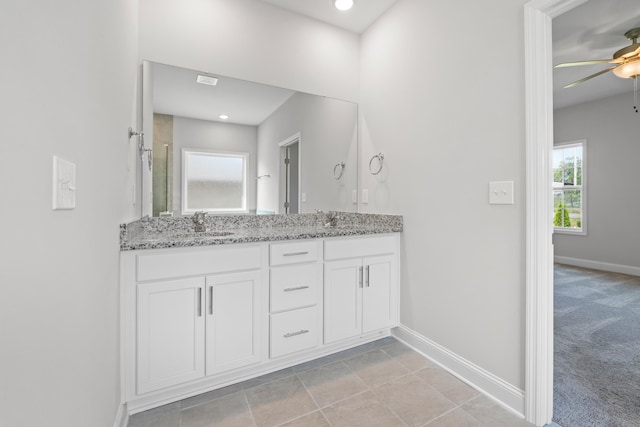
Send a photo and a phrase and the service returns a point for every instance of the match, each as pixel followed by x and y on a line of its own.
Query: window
pixel 214 181
pixel 569 194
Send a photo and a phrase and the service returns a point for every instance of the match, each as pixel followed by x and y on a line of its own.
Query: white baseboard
pixel 122 417
pixel 512 398
pixel 597 265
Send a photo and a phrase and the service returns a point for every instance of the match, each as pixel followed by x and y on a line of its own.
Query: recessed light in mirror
pixel 223 116
pixel 343 4
pixel 207 80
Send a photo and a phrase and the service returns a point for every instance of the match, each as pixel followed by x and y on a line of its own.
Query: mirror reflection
pixel 224 145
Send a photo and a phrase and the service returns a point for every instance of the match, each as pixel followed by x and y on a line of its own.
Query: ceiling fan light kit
pixel 626 60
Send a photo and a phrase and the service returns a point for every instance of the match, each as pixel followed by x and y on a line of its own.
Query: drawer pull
pixel 293 334
pixel 199 302
pixel 297 288
pixel 296 253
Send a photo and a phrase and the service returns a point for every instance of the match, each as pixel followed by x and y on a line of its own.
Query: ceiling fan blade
pixel 590 77
pixel 578 63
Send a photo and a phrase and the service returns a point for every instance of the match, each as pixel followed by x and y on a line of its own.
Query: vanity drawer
pixel 295 286
pixel 296 252
pixel 186 262
pixel 357 247
pixel 294 331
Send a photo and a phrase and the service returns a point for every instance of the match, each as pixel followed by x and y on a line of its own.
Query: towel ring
pixel 337 173
pixel 380 158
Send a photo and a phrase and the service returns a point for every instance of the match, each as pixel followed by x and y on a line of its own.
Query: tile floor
pixel 383 383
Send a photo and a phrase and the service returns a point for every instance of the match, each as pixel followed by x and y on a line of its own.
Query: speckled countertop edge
pixel 159 233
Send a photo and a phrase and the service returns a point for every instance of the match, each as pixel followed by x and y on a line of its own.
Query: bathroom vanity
pixel 249 296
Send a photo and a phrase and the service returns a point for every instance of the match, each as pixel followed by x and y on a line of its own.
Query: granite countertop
pixel 158 233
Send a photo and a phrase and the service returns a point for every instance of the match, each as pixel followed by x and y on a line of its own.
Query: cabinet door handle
pixel 360 276
pixel 293 334
pixel 297 288
pixel 211 300
pixel 296 253
pixel 366 280
pixel 199 302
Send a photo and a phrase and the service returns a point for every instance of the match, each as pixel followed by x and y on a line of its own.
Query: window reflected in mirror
pixel 214 181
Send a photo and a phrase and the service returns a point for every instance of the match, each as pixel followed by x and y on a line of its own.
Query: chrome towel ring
pixel 380 158
pixel 338 170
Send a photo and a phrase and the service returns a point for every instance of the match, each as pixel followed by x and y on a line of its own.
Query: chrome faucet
pixel 198 221
pixel 332 219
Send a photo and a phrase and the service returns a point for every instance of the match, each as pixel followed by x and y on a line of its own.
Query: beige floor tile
pixel 455 418
pixel 228 411
pixel 364 410
pixel 407 357
pixel 492 414
pixel 267 378
pixel 163 416
pixel 209 396
pixel 330 383
pixel 315 419
pixel 414 401
pixel 376 367
pixel 279 401
pixel 451 387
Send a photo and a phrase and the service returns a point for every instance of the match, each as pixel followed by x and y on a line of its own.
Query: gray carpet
pixel 597 348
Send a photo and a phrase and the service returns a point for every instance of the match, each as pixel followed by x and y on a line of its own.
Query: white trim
pixel 598 265
pixel 122 417
pixel 539 225
pixel 509 396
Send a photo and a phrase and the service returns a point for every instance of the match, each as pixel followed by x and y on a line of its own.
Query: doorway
pixel 289 194
pixel 539 226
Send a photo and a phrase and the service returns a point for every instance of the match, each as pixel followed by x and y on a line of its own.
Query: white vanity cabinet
pixel 192 313
pixel 295 298
pixel 360 286
pixel 199 318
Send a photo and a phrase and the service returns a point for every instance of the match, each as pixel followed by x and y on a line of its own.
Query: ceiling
pixel 359 18
pixel 593 30
pixel 176 92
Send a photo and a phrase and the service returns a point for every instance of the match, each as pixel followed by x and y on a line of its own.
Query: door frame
pixel 538 16
pixel 295 138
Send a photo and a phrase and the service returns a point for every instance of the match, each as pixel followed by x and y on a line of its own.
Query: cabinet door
pixel 342 299
pixel 233 321
pixel 377 309
pixel 170 333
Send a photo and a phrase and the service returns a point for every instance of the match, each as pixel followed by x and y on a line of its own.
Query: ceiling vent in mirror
pixel 207 80
pixel 343 4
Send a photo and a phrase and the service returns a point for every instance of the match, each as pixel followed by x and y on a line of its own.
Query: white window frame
pixel 214 153
pixel 582 187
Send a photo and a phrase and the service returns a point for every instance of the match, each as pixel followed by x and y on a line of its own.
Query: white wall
pixel 612 130
pixel 442 96
pixel 328 135
pixel 68 80
pixel 226 137
pixel 251 40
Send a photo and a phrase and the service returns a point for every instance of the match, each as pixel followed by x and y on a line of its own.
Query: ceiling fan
pixel 626 61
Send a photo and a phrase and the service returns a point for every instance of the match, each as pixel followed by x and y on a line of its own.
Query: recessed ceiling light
pixel 223 116
pixel 343 4
pixel 207 80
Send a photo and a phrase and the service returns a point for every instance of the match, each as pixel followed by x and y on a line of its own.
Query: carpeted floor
pixel 597 348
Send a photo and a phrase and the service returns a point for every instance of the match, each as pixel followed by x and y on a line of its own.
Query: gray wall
pixel 68 89
pixel 328 134
pixel 612 131
pixel 446 130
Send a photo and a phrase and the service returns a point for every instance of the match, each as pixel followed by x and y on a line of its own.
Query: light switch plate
pixel 303 196
pixel 501 193
pixel 64 184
